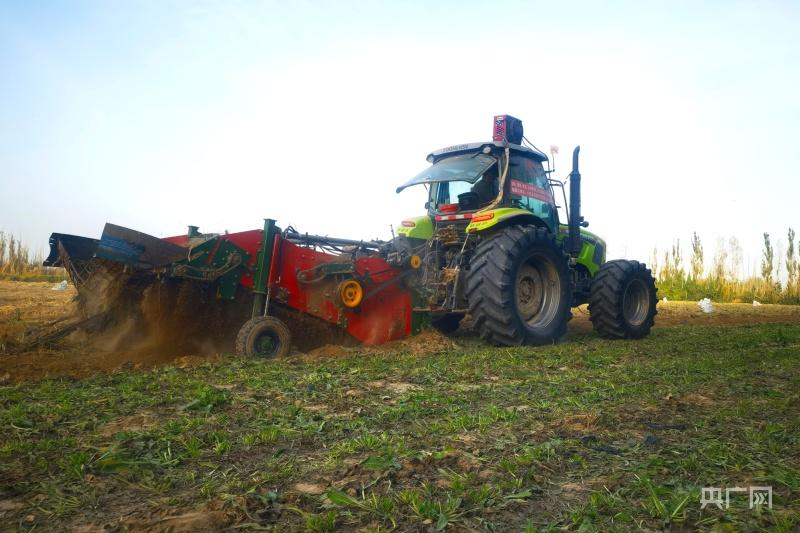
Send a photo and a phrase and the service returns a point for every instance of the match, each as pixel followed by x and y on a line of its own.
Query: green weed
pixel 586 434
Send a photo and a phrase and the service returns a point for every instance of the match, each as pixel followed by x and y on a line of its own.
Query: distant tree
pixel 735 258
pixel 654 263
pixel 2 250
pixel 10 264
pixel 767 260
pixel 677 260
pixel 792 271
pixel 720 261
pixel 697 257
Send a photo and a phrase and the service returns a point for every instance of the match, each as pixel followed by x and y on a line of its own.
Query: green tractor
pixel 493 245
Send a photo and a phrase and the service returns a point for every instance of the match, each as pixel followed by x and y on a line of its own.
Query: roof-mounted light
pixel 507 128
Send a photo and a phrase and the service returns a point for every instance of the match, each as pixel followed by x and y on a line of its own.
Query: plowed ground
pixel 28 309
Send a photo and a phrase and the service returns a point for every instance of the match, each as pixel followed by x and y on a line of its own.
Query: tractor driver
pixel 487 187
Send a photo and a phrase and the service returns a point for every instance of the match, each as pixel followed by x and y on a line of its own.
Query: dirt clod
pixel 426 343
pixel 10 505
pixel 195 521
pixel 309 488
pixel 395 387
pixel 580 422
pixel 132 423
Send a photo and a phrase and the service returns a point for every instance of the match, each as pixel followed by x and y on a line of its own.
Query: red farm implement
pixel 242 282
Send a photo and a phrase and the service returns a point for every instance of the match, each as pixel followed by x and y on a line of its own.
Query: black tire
pixel 263 336
pixel 507 275
pixel 447 323
pixel 622 300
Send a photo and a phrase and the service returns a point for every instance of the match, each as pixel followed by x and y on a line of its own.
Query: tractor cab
pixel 460 183
pixel 481 184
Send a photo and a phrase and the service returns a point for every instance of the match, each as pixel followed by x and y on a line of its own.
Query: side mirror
pixel 427 205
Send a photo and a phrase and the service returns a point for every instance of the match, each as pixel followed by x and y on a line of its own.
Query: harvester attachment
pixel 238 289
pixel 117 244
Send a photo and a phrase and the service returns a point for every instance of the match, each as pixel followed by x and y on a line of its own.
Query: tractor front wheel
pixel 622 300
pixel 518 288
pixel 263 336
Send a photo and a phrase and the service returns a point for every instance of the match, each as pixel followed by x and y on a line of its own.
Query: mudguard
pixel 593 249
pixel 484 220
pixel 416 228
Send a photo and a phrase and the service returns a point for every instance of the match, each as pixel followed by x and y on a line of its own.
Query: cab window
pixel 527 187
pixel 468 196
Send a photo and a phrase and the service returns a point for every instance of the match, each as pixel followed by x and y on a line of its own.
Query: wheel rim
pixel 635 302
pixel 538 291
pixel 266 344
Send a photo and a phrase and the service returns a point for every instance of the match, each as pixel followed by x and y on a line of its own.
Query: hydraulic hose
pixel 502 183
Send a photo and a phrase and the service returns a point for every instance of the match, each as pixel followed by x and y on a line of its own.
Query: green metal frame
pixel 215 260
pixel 325 270
pixel 263 262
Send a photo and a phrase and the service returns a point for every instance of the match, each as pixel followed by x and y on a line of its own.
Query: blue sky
pixel 156 115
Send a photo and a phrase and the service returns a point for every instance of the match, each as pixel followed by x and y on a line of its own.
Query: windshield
pixel 465 195
pixel 467 167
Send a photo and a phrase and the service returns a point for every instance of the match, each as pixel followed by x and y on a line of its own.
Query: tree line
pixel 17 262
pixel 723 279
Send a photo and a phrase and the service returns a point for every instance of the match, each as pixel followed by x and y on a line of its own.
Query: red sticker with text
pixel 520 188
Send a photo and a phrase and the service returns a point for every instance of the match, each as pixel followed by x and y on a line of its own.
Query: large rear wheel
pixel 518 287
pixel 622 301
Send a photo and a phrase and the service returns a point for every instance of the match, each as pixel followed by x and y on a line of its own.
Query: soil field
pixel 30 309
pixel 426 434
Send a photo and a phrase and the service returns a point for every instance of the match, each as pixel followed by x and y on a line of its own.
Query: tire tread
pixel 491 285
pixel 606 295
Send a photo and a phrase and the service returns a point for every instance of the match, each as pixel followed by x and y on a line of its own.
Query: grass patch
pixel 586 434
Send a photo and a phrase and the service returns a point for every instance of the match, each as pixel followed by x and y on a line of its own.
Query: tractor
pixel 492 245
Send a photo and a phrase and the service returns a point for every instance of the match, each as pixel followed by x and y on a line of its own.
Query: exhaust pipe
pixel 575 218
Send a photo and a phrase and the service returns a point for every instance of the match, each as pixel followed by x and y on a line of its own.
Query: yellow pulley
pixel 351 293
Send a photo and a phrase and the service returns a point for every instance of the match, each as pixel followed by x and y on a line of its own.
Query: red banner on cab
pixel 520 188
